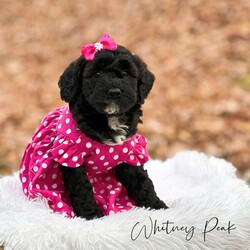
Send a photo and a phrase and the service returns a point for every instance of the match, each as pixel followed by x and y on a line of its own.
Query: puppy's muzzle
pixel 114 93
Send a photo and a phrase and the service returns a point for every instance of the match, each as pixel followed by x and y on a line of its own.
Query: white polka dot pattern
pixel 58 140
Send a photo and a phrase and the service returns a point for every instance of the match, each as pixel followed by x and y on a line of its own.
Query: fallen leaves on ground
pixel 198 50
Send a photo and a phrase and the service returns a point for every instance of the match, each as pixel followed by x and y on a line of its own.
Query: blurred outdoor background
pixel 199 51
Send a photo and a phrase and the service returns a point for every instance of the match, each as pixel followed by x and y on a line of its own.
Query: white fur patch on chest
pixel 119 128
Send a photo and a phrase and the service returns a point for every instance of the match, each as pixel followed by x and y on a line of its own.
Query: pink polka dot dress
pixel 59 141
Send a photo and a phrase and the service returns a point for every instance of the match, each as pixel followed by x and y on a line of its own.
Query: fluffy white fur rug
pixel 209 209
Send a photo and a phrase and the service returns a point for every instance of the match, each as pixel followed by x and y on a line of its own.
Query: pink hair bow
pixel 105 42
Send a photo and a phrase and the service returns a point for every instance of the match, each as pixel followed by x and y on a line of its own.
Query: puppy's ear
pixel 70 81
pixel 145 81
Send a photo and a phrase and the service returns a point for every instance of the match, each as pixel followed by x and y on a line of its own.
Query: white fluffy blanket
pixel 209 209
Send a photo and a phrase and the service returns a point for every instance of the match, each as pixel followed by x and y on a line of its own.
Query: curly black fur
pixel 105 97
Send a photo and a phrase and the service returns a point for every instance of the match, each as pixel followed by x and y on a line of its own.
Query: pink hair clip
pixel 105 42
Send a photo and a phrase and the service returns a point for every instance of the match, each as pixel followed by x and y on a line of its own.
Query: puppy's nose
pixel 114 92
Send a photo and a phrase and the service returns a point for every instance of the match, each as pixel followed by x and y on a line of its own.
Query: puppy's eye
pixel 124 74
pixel 97 74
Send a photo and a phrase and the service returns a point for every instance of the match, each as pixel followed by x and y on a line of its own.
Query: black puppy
pixel 105 97
pixel 86 158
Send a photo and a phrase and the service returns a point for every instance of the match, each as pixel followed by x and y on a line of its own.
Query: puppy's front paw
pixel 90 215
pixel 94 216
pixel 159 204
pixel 153 204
